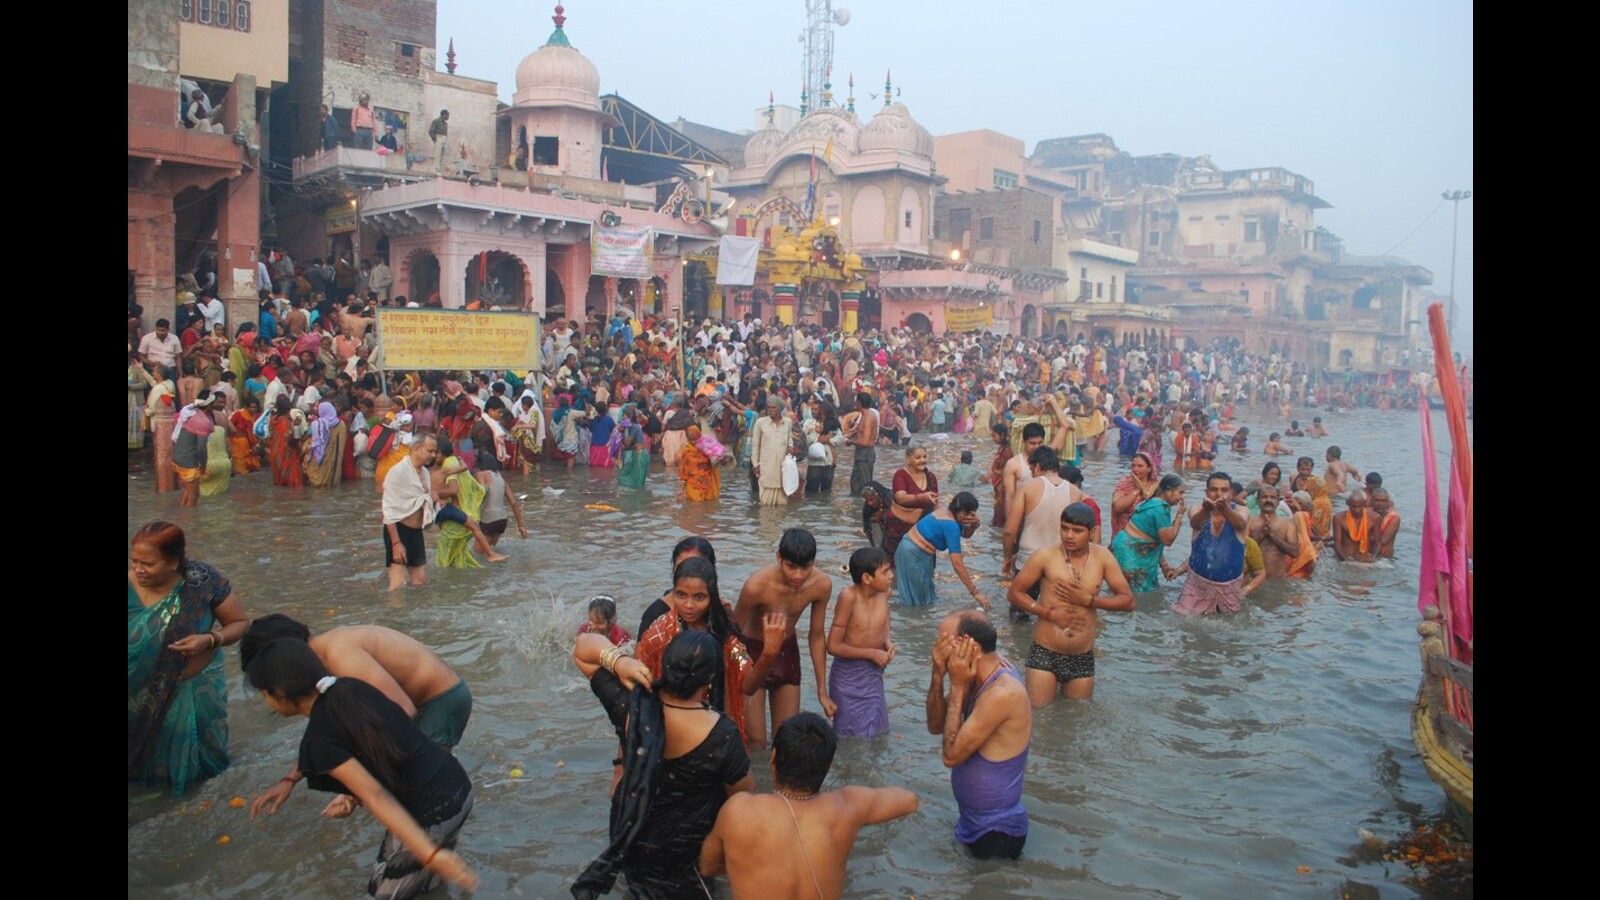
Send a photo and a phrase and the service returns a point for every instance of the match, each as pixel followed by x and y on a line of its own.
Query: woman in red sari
pixel 283 444
pixel 242 441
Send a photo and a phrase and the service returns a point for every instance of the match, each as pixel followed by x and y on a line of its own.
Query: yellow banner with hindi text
pixel 450 339
pixel 968 318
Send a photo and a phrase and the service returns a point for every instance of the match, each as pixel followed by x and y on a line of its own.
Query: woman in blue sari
pixel 917 554
pixel 180 614
pixel 1154 525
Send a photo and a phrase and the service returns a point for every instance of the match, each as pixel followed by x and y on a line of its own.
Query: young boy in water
pixel 965 475
pixel 860 646
pixel 603 621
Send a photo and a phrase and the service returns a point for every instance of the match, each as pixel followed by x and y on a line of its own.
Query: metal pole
pixel 1454 197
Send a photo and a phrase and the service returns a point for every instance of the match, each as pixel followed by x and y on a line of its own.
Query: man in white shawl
pixel 409 506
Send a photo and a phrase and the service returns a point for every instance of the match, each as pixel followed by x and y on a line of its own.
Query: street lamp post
pixel 1454 197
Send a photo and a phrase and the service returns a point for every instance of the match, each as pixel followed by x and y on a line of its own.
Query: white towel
pixel 405 490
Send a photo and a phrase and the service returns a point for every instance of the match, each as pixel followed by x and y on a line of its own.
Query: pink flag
pixel 1435 556
pixel 1456 547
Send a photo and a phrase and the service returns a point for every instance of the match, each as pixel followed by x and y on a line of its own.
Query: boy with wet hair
pixel 860 645
pixel 790 585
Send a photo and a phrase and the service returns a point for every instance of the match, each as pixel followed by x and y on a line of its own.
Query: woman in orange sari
pixel 1321 504
pixel 1305 562
pixel 701 480
pixel 242 441
pixel 286 428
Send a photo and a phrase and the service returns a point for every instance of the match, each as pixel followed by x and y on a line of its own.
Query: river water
pixel 1220 757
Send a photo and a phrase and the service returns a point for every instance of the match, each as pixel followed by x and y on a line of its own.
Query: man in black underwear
pixel 790 585
pixel 1071 573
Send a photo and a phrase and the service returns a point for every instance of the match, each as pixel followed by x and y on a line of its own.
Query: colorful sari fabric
pixel 727 693
pixel 455 540
pixel 1321 506
pixel 328 471
pixel 1140 557
pixel 996 471
pixel 219 464
pixel 137 385
pixel 635 458
pixel 1306 561
pixel 242 443
pixel 701 480
pixel 1127 485
pixel 283 453
pixel 177 728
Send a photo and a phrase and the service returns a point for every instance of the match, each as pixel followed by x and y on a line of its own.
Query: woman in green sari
pixel 1153 527
pixel 180 614
pixel 633 447
pixel 458 519
pixel 219 462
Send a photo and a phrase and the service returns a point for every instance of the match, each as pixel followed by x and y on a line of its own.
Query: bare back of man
pixel 767 853
pixel 790 589
pixel 402 668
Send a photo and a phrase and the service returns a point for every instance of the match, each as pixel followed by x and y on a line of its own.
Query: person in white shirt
pixel 160 347
pixel 215 313
pixel 308 401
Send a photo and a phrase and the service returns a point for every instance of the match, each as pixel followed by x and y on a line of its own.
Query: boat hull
pixel 1449 771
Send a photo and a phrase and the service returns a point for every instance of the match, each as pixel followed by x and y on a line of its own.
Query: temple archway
pixel 422 280
pixel 555 296
pixel 919 323
pixel 1030 321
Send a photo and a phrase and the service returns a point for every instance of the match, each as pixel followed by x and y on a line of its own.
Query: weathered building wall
pixel 472 106
pixel 153 49
pixel 1019 222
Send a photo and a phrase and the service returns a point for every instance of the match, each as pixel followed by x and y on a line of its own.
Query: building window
pixel 186 10
pixel 908 218
pixel 1116 238
pixel 986 229
pixel 546 151
pixel 408 50
pixel 1113 289
pixel 1004 179
pixel 233 15
pixel 1037 229
pixel 1252 231
pixel 938 230
pixel 241 15
pixel 1099 288
pixel 1083 274
pixel 1197 218
pixel 208 11
pixel 1155 238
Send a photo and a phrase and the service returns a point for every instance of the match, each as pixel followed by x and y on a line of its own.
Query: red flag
pixel 1435 555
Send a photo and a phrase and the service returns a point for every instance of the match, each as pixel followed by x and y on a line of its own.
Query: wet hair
pixel 1000 428
pixel 486 462
pixel 265 630
pixel 1032 430
pixel 1223 476
pixel 699 545
pixel 866 561
pixel 1372 493
pixel 1374 480
pixel 964 502
pixel 1334 452
pixel 1262 488
pixel 1170 482
pixel 1045 458
pixel 797 547
pixel 1305 461
pixel 1236 487
pixel 1080 513
pixel 1070 473
pixel 165 538
pixel 1294 424
pixel 689 663
pixel 1274 436
pixel 802 752
pixel 290 670
pixel 1269 467
pixel 977 626
pixel 606 606
pixel 966 457
pixel 717 617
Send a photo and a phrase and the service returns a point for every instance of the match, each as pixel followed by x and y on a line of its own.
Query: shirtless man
pixel 1071 573
pixel 789 585
pixel 861 428
pixel 1317 429
pixel 1275 447
pixel 798 838
pixel 1017 471
pixel 1278 537
pixel 1354 537
pixel 407 672
pixel 1388 520
pixel 1295 430
pixel 987 726
pixel 1338 471
pixel 1032 522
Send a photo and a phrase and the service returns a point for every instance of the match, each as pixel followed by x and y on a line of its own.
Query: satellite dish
pixel 841 16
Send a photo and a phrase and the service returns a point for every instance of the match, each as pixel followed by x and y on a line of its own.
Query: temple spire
pixel 804 94
pixel 851 103
pixel 558 38
pixel 772 109
pixel 450 58
pixel 888 88
pixel 827 86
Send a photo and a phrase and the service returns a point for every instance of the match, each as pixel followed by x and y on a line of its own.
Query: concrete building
pixel 530 222
pixel 195 193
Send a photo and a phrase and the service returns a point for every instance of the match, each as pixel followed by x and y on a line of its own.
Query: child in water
pixel 860 646
pixel 965 475
pixel 603 621
pixel 874 512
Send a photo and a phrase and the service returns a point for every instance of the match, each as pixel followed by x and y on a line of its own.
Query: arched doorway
pixel 830 310
pixel 1364 298
pixel 870 313
pixel 423 282
pixel 1061 329
pixel 495 278
pixel 919 323
pixel 629 294
pixel 593 298
pixel 555 296
pixel 1346 358
pixel 1103 335
pixel 1030 321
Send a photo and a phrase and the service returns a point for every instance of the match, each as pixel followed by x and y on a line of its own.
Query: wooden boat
pixel 1441 721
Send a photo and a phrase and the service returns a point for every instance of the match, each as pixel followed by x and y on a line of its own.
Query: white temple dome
pixel 763 146
pixel 820 125
pixel 557 75
pixel 894 129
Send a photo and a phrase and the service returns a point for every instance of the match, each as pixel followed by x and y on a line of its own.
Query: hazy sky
pixel 1371 100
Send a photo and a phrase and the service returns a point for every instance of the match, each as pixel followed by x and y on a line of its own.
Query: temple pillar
pixel 849 307
pixel 785 296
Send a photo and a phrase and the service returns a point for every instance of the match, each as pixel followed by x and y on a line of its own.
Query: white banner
pixel 620 252
pixel 736 260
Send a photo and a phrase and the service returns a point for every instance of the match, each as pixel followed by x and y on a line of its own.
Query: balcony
pixel 358 160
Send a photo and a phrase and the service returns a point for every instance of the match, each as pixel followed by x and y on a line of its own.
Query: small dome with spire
pixel 894 129
pixel 556 74
pixel 763 146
